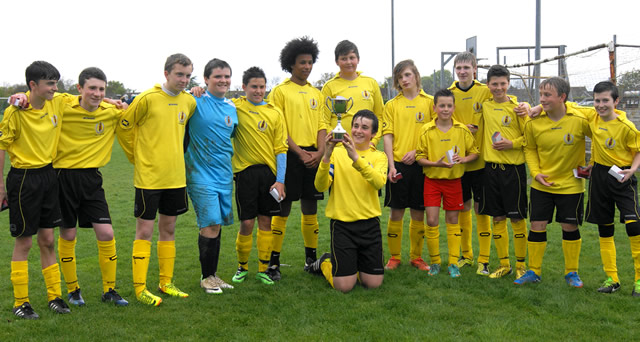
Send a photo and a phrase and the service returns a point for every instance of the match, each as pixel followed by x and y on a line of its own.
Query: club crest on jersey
pixel 99 128
pixel 124 123
pixel 366 94
pixel 456 149
pixel 262 125
pixel 419 117
pixel 54 120
pixel 313 103
pixel 506 120
pixel 477 107
pixel 610 143
pixel 228 121
pixel 568 139
pixel 182 117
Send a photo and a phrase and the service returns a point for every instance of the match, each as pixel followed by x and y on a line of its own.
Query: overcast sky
pixel 130 40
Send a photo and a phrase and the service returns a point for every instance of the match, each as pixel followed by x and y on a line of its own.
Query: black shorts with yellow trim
pixel 569 207
pixel 299 179
pixel 605 193
pixel 504 191
pixel 408 191
pixel 472 185
pixel 82 199
pixel 169 202
pixel 252 192
pixel 356 247
pixel 33 200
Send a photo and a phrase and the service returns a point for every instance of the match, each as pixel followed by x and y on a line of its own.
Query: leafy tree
pixel 430 85
pixel 116 89
pixel 66 85
pixel 629 80
pixel 326 76
pixel 193 82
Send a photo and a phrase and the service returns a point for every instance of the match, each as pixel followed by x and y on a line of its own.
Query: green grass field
pixel 409 306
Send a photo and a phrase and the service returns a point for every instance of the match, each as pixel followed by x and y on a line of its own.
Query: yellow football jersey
pixel 151 132
pixel 500 118
pixel 30 135
pixel 86 138
pixel 403 118
pixel 434 144
pixel 354 185
pixel 365 93
pixel 260 136
pixel 469 112
pixel 555 148
pixel 302 109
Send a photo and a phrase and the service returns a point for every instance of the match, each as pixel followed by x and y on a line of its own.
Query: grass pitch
pixel 409 305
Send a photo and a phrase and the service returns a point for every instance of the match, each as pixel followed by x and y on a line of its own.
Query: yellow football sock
pixel 571 250
pixel 264 249
pixel 520 241
pixel 20 281
pixel 243 249
pixel 466 227
pixel 327 270
pixel 453 242
pixel 483 224
pixel 416 238
pixel 108 260
pixel 484 242
pixel 166 260
pixel 394 238
pixel 501 239
pixel 140 264
pixel 537 248
pixel 309 229
pixel 608 256
pixel 635 254
pixel 51 276
pixel 67 255
pixel 278 229
pixel 433 243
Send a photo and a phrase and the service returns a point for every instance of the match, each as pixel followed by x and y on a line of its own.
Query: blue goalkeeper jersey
pixel 208 155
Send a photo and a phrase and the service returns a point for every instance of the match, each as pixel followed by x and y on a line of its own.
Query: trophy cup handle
pixel 350 100
pixel 327 101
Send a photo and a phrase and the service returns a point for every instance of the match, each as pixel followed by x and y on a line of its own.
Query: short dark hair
pixel 346 47
pixel 603 86
pixel 498 71
pixel 174 59
pixel 91 72
pixel 444 92
pixel 559 84
pixel 397 73
pixel 41 70
pixel 367 114
pixel 296 47
pixel 253 72
pixel 215 64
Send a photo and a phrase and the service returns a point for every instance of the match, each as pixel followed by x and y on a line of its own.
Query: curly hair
pixel 296 47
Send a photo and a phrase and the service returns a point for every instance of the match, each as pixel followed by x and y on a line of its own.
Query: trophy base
pixel 337 137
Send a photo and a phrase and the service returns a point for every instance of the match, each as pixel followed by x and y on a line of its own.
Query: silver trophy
pixel 338 106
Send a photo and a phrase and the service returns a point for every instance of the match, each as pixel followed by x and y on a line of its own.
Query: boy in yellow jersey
pixel 504 191
pixel 404 116
pixel 554 145
pixel 259 165
pixel 469 95
pixel 151 133
pixel 86 140
pixel 301 104
pixel 350 83
pixel 354 172
pixel 443 147
pixel 30 136
pixel 615 141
